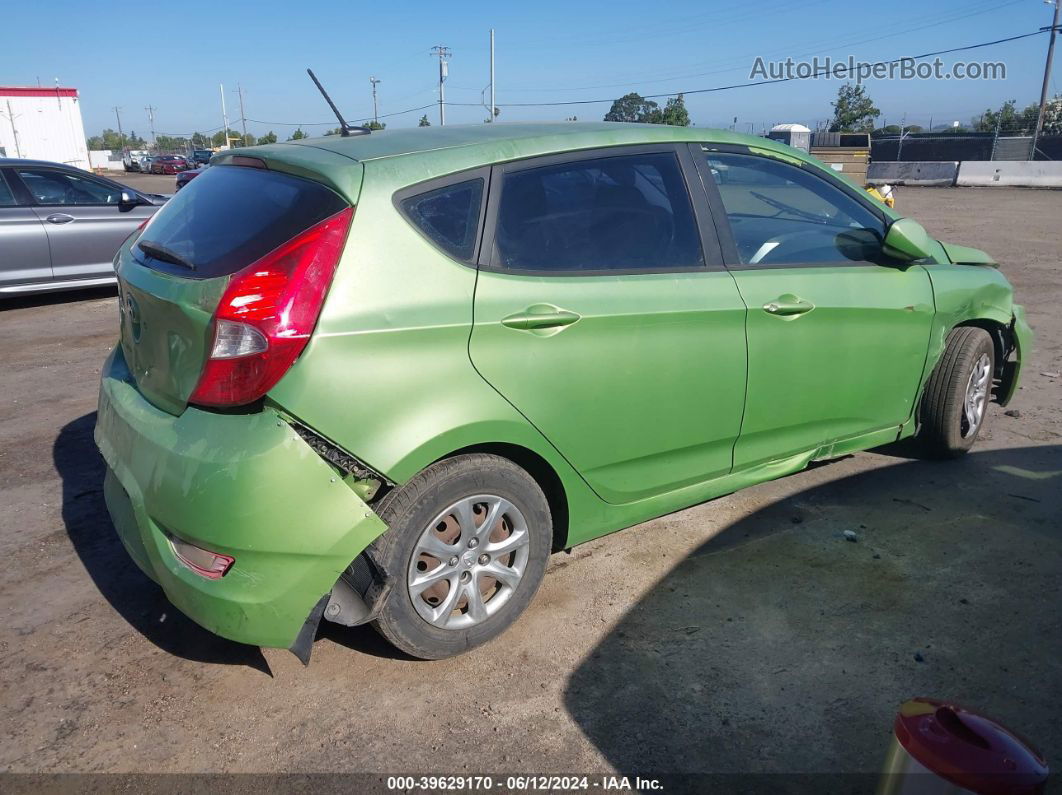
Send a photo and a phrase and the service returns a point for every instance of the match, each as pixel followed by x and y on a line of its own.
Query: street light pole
pixel 375 112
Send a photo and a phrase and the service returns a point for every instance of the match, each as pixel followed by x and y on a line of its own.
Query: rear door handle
pixel 60 218
pixel 788 305
pixel 540 317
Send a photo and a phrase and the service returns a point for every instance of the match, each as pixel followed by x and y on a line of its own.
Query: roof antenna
pixel 344 128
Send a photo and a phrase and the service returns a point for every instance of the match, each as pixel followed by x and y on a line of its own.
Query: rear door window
pixel 448 216
pixel 628 212
pixel 231 216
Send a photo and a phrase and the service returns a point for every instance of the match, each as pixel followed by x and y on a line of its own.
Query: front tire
pixel 955 401
pixel 468 542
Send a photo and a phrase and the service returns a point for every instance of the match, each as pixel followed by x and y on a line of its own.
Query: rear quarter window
pixel 448 216
pixel 231 216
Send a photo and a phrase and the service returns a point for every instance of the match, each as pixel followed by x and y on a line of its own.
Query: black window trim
pixel 437 183
pixel 711 252
pixel 16 178
pixel 731 257
pixel 16 190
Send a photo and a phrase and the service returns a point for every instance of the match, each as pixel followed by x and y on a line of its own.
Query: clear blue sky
pixel 175 55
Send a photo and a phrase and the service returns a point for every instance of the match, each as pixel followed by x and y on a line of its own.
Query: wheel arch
pixel 1000 334
pixel 541 471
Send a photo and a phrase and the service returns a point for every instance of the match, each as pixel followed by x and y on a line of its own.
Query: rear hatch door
pixel 173 273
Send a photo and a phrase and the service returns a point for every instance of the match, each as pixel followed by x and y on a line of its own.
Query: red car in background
pixel 187 176
pixel 169 164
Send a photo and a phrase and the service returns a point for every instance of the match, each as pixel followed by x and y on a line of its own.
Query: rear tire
pixel 955 402
pixel 461 580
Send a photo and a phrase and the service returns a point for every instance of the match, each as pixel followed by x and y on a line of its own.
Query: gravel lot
pixel 744 634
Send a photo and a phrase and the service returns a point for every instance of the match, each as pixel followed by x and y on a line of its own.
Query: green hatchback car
pixel 379 378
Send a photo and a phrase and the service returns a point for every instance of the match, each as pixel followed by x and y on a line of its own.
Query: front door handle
pixel 60 218
pixel 540 317
pixel 788 305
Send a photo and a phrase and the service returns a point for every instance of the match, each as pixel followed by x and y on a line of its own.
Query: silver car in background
pixel 60 226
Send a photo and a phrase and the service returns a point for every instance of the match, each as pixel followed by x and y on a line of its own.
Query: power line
pixel 712 89
pixel 931 21
pixel 761 82
pixel 330 123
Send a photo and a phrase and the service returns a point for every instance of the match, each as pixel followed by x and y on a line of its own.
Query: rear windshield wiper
pixel 159 251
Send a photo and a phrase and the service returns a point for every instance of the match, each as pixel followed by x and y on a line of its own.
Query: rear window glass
pixel 230 216
pixel 449 216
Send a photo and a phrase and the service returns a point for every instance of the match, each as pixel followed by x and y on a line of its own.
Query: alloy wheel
pixel 973 408
pixel 468 562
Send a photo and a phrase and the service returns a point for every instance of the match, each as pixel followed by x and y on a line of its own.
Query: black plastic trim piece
pixel 303 645
pixel 335 455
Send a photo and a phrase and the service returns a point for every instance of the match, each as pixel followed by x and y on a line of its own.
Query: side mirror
pixel 907 240
pixel 128 200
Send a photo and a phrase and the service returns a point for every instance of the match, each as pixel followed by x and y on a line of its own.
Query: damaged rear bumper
pixel 242 485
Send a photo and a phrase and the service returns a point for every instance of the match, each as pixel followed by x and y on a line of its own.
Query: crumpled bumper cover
pixel 1023 339
pixel 243 485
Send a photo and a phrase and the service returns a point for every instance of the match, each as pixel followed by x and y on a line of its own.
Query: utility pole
pixel 151 123
pixel 493 107
pixel 224 116
pixel 1047 76
pixel 375 112
pixel 443 53
pixel 121 136
pixel 243 118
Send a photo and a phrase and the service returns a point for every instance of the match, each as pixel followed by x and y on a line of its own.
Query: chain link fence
pixel 998 145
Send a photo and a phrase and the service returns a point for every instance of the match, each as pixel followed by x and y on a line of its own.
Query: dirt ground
pixel 745 634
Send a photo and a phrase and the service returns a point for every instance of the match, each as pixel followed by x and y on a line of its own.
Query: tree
pixel 674 113
pixel 424 121
pixel 219 138
pixel 298 135
pixel 248 140
pixel 853 111
pixel 634 107
pixel 334 131
pixel 631 107
pixel 375 125
pixel 110 139
pixel 169 143
pixel 1053 116
pixel 200 141
pixel 269 138
pixel 1011 121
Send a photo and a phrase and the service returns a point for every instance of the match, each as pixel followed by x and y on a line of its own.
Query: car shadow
pixel 778 651
pixel 57 298
pixel 128 590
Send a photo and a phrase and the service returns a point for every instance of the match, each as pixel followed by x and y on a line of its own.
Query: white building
pixel 42 124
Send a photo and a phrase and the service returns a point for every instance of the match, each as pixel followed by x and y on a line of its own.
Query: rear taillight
pixel 203 562
pixel 267 314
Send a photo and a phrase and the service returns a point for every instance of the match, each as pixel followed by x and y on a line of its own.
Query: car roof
pixel 505 141
pixel 21 161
